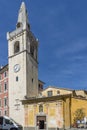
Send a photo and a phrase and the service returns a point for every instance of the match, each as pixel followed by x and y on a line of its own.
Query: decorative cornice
pixel 45 99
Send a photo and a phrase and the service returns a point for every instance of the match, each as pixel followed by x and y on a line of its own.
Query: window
pixel 16 47
pixel 41 108
pixel 5 86
pixel 58 92
pixel 5 112
pixel 19 25
pixel 0 112
pixel 5 74
pixel 1 120
pixel 0 88
pixel 32 50
pixel 17 78
pixel 0 103
pixel 40 87
pixel 5 101
pixel 50 93
pixel 0 77
pixel 32 80
pixel 6 120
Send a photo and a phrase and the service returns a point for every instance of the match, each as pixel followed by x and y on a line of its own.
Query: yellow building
pixel 47 112
pixel 78 103
pixel 54 108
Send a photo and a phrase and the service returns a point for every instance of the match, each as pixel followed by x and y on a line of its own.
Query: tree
pixel 79 115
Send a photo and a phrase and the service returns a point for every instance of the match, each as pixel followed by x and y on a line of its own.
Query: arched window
pixel 16 47
pixel 41 108
pixel 32 50
pixel 58 92
pixel 19 25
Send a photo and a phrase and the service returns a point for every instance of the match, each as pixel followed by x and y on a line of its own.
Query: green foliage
pixel 79 115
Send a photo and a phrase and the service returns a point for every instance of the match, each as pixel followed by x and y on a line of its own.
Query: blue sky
pixel 61 27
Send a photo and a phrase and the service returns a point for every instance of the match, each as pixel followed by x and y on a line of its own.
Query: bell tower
pixel 23 65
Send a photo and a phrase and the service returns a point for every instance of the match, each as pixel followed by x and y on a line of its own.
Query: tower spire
pixel 23 17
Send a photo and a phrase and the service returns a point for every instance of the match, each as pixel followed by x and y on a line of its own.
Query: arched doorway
pixel 41 122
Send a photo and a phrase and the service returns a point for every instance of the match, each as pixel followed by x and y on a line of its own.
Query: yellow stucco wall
pixel 57 113
pixel 55 90
pixel 76 104
pixel 52 110
pixel 29 115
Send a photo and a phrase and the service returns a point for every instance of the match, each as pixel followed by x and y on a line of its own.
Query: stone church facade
pixel 54 109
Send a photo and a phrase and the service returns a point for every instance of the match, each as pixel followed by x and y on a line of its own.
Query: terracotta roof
pixel 41 81
pixel 4 68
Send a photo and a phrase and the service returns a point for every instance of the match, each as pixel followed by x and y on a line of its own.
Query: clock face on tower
pixel 16 68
